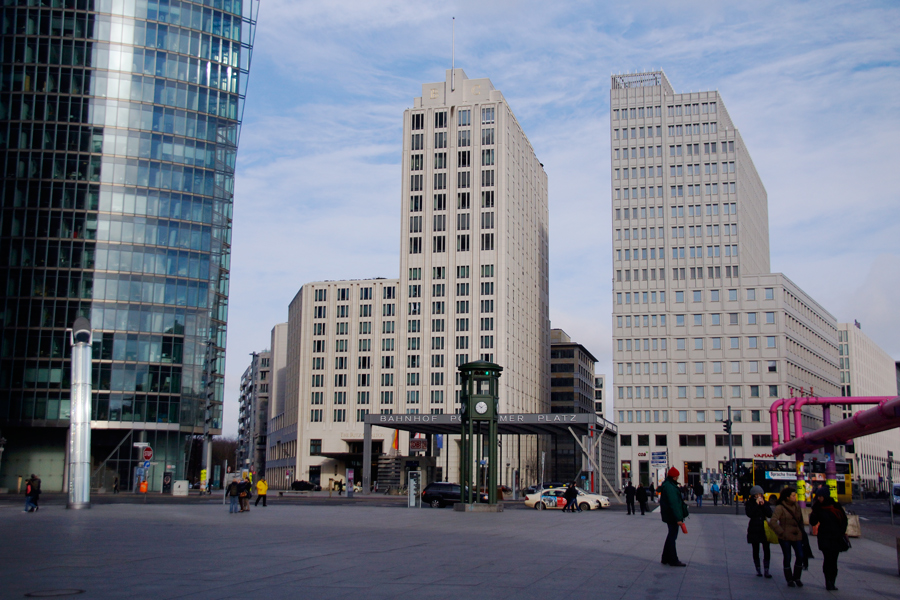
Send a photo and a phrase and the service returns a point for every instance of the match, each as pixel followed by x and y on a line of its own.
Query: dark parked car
pixel 440 494
pixel 305 486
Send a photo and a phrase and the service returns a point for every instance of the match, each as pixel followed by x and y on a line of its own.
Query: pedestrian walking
pixel 714 488
pixel 29 505
pixel 674 511
pixel 652 491
pixel 830 522
pixel 340 486
pixel 758 511
pixel 787 522
pixel 640 494
pixel 244 494
pixel 629 498
pixel 262 487
pixel 116 484
pixel 233 492
pixel 571 498
pixel 32 493
pixel 698 493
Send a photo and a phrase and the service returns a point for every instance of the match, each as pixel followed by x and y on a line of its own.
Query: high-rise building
pixel 281 431
pixel 253 413
pixel 120 130
pixel 699 322
pixel 473 285
pixel 572 389
pixel 867 370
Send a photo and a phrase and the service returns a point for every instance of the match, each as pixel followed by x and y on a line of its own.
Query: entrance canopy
pixel 509 424
pixel 578 425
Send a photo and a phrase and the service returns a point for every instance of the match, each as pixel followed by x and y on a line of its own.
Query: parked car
pixel 439 494
pixel 305 486
pixel 555 498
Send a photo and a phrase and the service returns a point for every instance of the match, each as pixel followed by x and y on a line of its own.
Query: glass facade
pixel 119 125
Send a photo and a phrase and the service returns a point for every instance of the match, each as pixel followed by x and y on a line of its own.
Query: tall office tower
pixel 699 322
pixel 253 413
pixel 473 285
pixel 120 130
pixel 279 464
pixel 572 389
pixel 867 370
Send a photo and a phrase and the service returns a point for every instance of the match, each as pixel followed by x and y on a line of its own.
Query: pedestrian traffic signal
pixel 726 425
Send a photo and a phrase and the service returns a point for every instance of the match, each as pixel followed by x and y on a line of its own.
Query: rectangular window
pixel 691 440
pixel 762 440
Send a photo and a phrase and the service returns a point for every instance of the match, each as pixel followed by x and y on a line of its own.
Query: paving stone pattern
pixel 200 551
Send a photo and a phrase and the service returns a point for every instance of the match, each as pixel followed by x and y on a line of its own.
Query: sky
pixel 808 85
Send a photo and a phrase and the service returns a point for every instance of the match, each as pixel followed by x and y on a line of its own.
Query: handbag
pixel 771 536
pixel 844 544
pixel 242 495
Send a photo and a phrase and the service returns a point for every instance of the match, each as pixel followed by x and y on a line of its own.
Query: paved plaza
pixel 358 550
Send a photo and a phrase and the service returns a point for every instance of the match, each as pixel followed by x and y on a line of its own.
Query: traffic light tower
pixel 479 410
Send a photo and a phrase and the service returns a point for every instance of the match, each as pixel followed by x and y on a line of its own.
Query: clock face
pixel 481 408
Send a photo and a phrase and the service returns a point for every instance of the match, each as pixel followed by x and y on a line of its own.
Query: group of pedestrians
pixel 639 493
pixel 240 492
pixel 783 525
pixel 828 522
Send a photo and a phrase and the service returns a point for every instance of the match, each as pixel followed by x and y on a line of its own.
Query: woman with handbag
pixel 787 521
pixel 829 518
pixel 758 531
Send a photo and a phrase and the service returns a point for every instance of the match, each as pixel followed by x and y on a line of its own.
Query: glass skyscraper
pixel 119 125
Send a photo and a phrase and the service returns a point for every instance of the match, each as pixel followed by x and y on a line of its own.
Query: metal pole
pixel 731 455
pixel 80 420
pixel 891 485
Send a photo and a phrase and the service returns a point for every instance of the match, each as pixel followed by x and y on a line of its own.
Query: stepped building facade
pixel 700 323
pixel 473 285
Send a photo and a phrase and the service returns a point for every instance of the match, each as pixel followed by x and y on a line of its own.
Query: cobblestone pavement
pixel 197 550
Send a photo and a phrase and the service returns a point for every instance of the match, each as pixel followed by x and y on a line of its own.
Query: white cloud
pixel 809 85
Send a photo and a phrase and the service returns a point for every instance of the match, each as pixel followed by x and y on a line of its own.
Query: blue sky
pixel 812 87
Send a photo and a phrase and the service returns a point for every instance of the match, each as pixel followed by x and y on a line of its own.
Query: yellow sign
pixel 832 489
pixel 202 478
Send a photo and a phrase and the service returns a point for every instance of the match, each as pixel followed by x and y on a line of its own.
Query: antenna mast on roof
pixel 453 58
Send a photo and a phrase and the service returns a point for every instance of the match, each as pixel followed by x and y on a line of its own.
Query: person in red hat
pixel 674 511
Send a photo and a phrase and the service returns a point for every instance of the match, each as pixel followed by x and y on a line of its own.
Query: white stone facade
pixel 867 370
pixel 474 284
pixel 699 322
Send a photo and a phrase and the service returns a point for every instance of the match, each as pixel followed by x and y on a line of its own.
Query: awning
pixel 508 424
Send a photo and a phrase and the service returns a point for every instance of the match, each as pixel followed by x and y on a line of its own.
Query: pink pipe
pixel 773 420
pixel 881 418
pixel 786 415
pixel 798 426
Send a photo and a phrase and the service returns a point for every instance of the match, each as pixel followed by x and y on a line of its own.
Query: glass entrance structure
pixel 119 127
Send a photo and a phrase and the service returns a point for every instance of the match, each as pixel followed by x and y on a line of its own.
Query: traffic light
pixel 726 425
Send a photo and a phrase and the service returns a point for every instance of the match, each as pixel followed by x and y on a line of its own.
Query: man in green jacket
pixel 674 511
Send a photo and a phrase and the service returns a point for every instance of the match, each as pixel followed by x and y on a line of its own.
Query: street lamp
pixel 81 339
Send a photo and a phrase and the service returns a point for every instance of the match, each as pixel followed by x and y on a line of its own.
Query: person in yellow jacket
pixel 261 488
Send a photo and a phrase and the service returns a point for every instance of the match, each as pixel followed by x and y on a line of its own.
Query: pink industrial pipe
pixel 773 420
pixel 881 418
pixel 801 402
pixel 786 416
